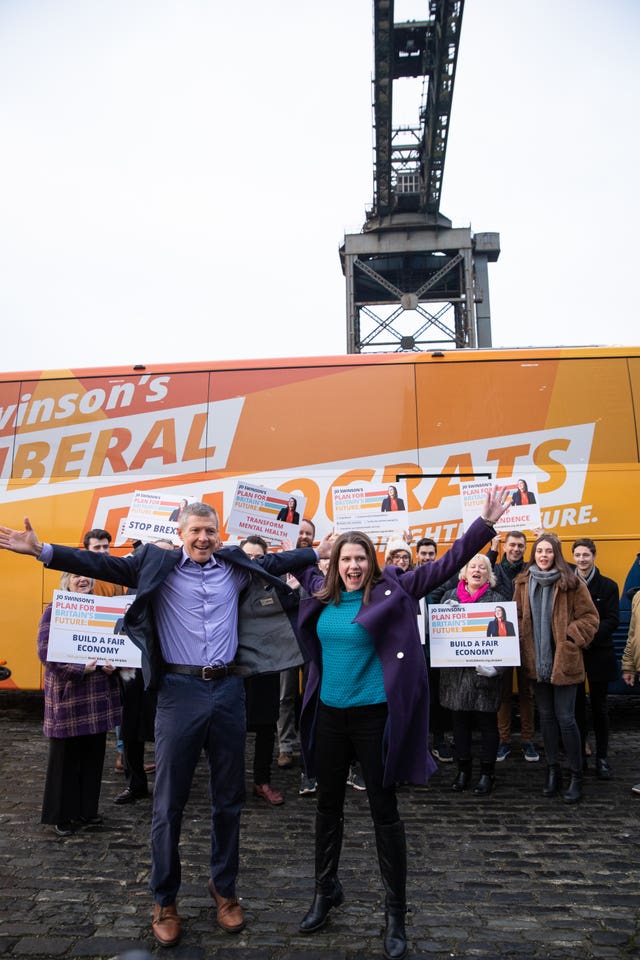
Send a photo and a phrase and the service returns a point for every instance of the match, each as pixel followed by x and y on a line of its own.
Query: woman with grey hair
pixel 473 694
pixel 81 704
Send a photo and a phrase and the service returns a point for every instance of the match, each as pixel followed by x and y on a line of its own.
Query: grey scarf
pixel 541 589
pixel 588 579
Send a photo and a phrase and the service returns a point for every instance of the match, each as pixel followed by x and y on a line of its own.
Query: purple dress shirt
pixel 196 612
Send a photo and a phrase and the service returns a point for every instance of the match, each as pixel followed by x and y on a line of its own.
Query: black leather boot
pixel 461 782
pixel 328 888
pixel 392 857
pixel 574 791
pixel 553 783
pixel 484 786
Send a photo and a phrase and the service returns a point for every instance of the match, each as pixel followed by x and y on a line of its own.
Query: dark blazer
pixel 390 620
pixel 145 571
pixel 505 573
pixel 386 504
pixel 282 515
pixel 492 627
pixel 516 498
pixel 600 659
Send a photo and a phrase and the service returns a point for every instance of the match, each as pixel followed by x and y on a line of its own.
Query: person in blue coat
pixel 367 695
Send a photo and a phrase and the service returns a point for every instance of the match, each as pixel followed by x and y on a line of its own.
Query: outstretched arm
pixel 21 541
pixel 100 566
pixel 428 577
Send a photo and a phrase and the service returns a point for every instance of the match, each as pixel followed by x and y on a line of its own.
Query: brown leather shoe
pixel 266 792
pixel 230 914
pixel 166 925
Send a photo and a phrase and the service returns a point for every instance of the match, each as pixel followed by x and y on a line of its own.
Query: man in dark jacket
pixel 600 657
pixel 185 621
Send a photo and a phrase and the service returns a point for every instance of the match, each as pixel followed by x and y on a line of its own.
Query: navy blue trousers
pixel 193 715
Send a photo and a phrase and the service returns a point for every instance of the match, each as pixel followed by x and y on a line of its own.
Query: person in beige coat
pixel 557 620
pixel 631 655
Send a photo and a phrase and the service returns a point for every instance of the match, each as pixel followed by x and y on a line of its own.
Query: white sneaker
pixel 307 785
pixel 355 778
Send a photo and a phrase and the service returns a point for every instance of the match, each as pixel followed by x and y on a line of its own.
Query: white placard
pixel 371 508
pixel 518 516
pixel 87 627
pixel 468 634
pixel 154 516
pixel 265 512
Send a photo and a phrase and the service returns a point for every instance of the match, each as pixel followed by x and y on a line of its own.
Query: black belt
pixel 206 673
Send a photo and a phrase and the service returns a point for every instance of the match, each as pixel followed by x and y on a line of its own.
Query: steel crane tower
pixel 413 281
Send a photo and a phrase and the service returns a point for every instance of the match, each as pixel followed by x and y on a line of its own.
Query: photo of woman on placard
pixel 289 514
pixel 500 626
pixel 522 497
pixel 392 501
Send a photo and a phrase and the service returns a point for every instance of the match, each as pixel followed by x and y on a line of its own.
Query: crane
pixel 408 259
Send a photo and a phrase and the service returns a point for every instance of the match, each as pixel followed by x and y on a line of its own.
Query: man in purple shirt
pixel 185 620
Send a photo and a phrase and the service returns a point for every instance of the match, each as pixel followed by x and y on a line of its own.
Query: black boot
pixel 328 888
pixel 484 786
pixel 461 782
pixel 392 857
pixel 574 791
pixel 553 783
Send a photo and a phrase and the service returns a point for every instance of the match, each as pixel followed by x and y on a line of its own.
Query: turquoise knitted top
pixel 351 667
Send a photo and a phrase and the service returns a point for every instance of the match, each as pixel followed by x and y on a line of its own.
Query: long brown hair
pixel 333 586
pixel 567 575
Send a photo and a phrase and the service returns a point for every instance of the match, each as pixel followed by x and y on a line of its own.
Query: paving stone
pixel 41 946
pixel 512 876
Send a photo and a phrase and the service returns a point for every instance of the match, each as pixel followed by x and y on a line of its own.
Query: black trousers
pixel 134 766
pixel 263 752
pixel 74 777
pixel 342 734
pixel 439 716
pixel 599 712
pixel 487 723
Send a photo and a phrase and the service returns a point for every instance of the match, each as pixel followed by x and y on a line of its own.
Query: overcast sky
pixel 176 177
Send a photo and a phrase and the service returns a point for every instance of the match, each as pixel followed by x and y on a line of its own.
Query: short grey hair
pixel 66 577
pixel 197 509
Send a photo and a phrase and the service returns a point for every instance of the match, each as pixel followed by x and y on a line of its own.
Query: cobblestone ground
pixel 509 876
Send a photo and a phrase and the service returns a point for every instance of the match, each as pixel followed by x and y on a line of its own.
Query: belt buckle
pixel 214 672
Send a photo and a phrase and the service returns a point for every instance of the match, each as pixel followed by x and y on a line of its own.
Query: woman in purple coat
pixel 367 695
pixel 81 703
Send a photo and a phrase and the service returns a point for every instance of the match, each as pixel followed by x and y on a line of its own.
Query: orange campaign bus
pixel 76 444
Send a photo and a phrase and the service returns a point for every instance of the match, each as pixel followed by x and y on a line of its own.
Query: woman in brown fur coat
pixel 556 620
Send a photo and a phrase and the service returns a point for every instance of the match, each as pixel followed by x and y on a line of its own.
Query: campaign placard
pixel 371 508
pixel 523 512
pixel 271 514
pixel 154 516
pixel 470 634
pixel 87 627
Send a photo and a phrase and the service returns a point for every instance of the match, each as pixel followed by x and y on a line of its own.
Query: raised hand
pixel 325 547
pixel 495 504
pixel 21 541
